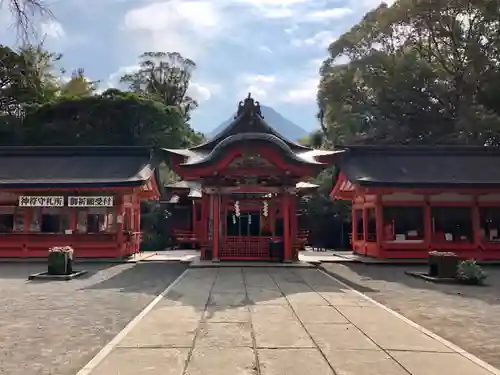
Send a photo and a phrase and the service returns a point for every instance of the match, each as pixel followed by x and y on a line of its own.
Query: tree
pixel 164 77
pixel 113 118
pixel 24 12
pixel 78 85
pixel 26 78
pixel 418 72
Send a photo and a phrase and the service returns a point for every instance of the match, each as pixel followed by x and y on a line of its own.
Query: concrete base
pixel 438 280
pixel 47 276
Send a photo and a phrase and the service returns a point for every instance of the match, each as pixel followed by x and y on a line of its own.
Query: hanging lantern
pixel 237 208
pixel 265 210
pixel 249 219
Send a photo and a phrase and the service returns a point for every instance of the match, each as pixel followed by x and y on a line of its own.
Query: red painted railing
pixel 245 247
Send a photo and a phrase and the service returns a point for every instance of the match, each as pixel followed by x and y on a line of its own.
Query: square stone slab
pixel 390 332
pixel 143 362
pixel 292 362
pixel 294 288
pixel 222 361
pixel 219 314
pixel 261 296
pixel 272 314
pixel 319 314
pixel 228 299
pixel 342 298
pixel 363 362
pixel 193 296
pixel 339 336
pixel 366 315
pixel 259 280
pixel 157 329
pixel 437 363
pixel 306 298
pixel 229 286
pixel 230 335
pixel 285 334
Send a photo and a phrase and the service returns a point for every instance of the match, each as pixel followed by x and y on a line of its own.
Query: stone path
pixel 249 321
pixel 56 327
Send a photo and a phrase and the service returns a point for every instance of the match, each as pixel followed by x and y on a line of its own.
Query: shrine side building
pixel 85 197
pixel 408 200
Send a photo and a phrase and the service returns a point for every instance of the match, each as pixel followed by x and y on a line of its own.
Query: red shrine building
pixel 85 197
pixel 407 201
pixel 243 184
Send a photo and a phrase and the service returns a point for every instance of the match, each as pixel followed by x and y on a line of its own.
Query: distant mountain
pixel 282 125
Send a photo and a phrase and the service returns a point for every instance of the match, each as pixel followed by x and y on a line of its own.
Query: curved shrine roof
pixel 421 166
pixel 78 167
pixel 248 126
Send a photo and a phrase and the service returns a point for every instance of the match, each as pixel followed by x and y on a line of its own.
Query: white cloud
pixel 265 49
pixel 176 25
pixel 273 2
pixel 277 12
pixel 282 88
pixel 259 85
pixel 114 78
pixel 52 29
pixel 304 92
pixel 198 92
pixel 328 14
pixel 321 39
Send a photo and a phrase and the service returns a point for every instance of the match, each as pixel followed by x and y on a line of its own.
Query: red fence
pixel 245 247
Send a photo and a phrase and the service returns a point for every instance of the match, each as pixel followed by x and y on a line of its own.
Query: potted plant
pixel 442 264
pixel 60 260
pixel 469 272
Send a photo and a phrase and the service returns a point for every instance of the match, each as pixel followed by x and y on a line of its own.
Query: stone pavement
pixel 251 321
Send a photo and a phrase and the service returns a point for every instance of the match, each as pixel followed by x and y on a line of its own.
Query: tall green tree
pixel 26 78
pixel 164 77
pixel 419 71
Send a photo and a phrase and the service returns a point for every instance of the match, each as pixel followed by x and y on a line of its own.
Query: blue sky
pixel 272 48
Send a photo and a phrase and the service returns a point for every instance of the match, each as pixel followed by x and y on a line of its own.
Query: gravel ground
pixel 56 327
pixel 468 316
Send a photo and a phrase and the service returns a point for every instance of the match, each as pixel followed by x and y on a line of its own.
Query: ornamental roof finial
pixel 249 105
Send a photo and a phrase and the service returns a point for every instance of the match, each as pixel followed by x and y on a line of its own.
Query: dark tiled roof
pixel 249 127
pixel 249 120
pixel 414 166
pixel 100 166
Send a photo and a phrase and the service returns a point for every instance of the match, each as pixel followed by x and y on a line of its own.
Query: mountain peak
pixel 282 125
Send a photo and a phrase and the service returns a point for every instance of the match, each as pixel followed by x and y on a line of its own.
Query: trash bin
pixel 276 250
pixel 208 253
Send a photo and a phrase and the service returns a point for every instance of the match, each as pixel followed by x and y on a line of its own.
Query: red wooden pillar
pixel 428 224
pixel 379 225
pixel 203 226
pixel 120 213
pixel 137 227
pixel 193 216
pixel 354 226
pixel 294 226
pixel 476 228
pixel 216 221
pixel 286 226
pixel 365 230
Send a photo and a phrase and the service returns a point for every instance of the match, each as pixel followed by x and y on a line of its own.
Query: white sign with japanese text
pixel 40 201
pixel 105 201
